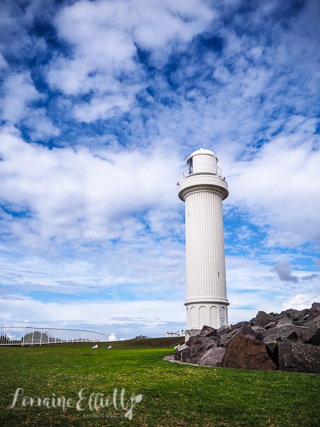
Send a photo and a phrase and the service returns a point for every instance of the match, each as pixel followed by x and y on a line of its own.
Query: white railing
pixel 204 169
pixel 26 335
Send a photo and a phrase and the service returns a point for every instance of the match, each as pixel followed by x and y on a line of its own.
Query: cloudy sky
pixel 101 104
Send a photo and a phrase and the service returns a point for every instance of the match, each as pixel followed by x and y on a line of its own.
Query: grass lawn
pixel 173 394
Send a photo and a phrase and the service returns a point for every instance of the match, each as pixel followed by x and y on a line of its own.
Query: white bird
pixel 109 347
pixel 95 346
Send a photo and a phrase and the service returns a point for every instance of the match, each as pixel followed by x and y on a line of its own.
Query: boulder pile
pixel 289 342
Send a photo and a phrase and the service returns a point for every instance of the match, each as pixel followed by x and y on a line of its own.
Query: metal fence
pixel 26 335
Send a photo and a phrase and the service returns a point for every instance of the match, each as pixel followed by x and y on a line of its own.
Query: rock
pixel 311 334
pixel 199 347
pixel 181 347
pixel 208 331
pixel 226 338
pixel 287 313
pixel 244 352
pixel 301 314
pixel 291 338
pixel 224 330
pixel 299 357
pixel 238 325
pixel 299 322
pixel 272 347
pixel 178 349
pixel 192 339
pixel 213 357
pixel 258 329
pixel 285 321
pixel 314 310
pixel 283 333
pixel 293 314
pixel 185 355
pixel 269 325
pixel 247 330
pixel 262 319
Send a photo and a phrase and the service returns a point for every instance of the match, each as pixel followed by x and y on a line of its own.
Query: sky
pixel 101 103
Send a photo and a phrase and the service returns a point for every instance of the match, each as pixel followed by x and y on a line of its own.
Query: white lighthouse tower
pixel 203 190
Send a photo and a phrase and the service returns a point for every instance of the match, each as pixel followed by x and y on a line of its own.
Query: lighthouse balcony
pixel 213 170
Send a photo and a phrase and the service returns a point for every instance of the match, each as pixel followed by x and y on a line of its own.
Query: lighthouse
pixel 203 189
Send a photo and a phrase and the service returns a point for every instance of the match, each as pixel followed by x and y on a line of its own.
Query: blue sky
pixel 101 104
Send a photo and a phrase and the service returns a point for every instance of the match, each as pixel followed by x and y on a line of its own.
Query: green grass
pixel 173 394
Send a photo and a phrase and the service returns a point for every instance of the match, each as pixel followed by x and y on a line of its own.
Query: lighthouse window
pixel 190 166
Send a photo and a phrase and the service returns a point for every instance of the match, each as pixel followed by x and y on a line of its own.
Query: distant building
pixel 203 189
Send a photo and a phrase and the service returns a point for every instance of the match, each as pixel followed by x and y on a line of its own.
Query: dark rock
pixel 272 348
pixel 224 330
pixel 247 353
pixel 290 313
pixel 299 323
pixel 178 349
pixel 199 347
pixel 270 325
pixel 291 338
pixel 285 321
pixel 295 315
pixel 314 310
pixel 226 338
pixel 238 325
pixel 301 314
pixel 262 319
pixel 295 357
pixel 258 329
pixel 247 330
pixel 282 333
pixel 311 334
pixel 192 339
pixel 208 331
pixel 213 357
pixel 185 355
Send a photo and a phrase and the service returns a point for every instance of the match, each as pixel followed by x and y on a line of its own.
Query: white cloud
pixel 279 188
pixel 106 106
pixel 78 195
pixel 17 105
pixel 104 36
pixel 18 91
pixel 300 302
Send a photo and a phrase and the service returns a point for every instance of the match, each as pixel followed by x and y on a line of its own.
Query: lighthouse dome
pixel 202 161
pixel 202 151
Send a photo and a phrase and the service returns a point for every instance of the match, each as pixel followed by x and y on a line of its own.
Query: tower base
pixel 199 314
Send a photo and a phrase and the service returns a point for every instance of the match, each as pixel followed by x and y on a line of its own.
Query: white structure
pixel 203 190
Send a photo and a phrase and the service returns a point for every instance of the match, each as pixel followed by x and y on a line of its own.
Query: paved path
pixel 170 358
